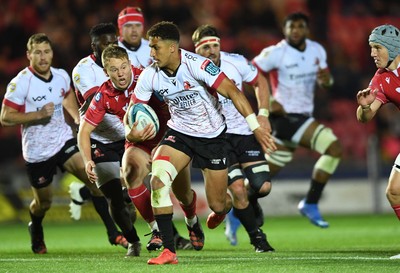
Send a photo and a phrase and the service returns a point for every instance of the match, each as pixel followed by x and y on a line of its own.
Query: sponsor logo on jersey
pixel 11 87
pixel 291 66
pixel 186 85
pixel 63 93
pixel 387 79
pixel 398 89
pixel 98 96
pixel 210 67
pixel 190 57
pixel 77 78
pixel 185 101
pixel 40 98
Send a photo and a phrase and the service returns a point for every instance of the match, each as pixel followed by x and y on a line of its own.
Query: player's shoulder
pixel 314 45
pixel 84 63
pixel 191 57
pixel 23 75
pixel 233 57
pixel 59 72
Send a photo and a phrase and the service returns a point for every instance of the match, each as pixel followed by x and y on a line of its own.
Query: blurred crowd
pixel 245 27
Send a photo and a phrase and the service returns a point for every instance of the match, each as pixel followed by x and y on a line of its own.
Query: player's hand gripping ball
pixel 143 114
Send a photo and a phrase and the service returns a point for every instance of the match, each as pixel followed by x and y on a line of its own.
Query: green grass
pixel 352 244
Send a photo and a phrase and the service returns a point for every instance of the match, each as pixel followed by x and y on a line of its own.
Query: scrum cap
pixel 387 36
pixel 130 15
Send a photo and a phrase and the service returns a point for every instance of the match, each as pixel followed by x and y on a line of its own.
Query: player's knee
pixel 322 139
pixel 234 174
pixel 265 189
pixel 163 173
pixel 335 149
pixel 259 178
pixel 44 205
pixel 134 175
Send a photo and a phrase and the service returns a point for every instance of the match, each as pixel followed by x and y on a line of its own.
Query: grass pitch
pixel 360 243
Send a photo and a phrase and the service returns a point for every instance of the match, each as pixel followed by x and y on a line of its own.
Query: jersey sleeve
pixel 323 63
pixel 144 89
pixel 83 79
pixel 247 70
pixel 96 111
pixel 203 69
pixel 16 93
pixel 375 85
pixel 268 59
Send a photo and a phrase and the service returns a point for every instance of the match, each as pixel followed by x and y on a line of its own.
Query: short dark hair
pixel 101 29
pixel 204 31
pixel 295 17
pixel 164 30
pixel 38 38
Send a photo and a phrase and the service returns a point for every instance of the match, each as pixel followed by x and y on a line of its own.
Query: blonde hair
pixel 113 51
pixel 37 38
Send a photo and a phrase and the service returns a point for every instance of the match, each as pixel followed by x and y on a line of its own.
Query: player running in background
pixel 196 128
pixel 296 65
pixel 131 28
pixel 246 157
pixel 383 88
pixel 35 99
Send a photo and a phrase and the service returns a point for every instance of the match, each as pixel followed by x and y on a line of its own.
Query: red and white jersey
pixel 141 56
pixel 28 92
pixel 238 69
pixel 194 108
pixel 110 100
pixel 87 77
pixel 294 73
pixel 388 85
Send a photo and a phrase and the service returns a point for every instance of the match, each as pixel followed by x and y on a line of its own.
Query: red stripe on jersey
pixel 218 81
pixel 19 108
pixel 161 157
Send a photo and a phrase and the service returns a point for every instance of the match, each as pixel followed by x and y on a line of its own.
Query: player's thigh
pixel 182 186
pixel 321 139
pixel 305 140
pixel 174 156
pixel 216 185
pixel 135 165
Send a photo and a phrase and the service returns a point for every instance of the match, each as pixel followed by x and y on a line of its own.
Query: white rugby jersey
pixel 194 108
pixel 28 92
pixel 294 84
pixel 141 56
pixel 238 69
pixel 87 77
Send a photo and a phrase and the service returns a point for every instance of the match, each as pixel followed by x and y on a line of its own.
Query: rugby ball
pixel 143 114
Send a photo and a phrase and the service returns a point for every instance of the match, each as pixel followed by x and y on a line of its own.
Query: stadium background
pixel 246 27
